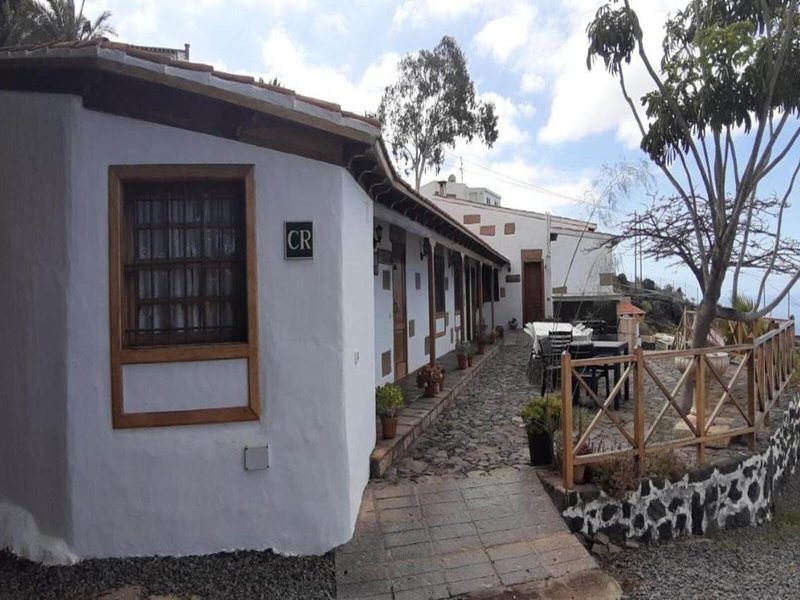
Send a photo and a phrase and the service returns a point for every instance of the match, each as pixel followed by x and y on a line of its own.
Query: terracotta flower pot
pixel 430 390
pixel 578 473
pixel 389 427
pixel 481 348
pixel 463 362
pixel 469 360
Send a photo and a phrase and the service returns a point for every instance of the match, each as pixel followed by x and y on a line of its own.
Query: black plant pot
pixel 540 448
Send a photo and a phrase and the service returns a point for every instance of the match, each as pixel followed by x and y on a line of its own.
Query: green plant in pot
pixel 500 331
pixel 463 354
pixel 542 418
pixel 512 324
pixel 388 399
pixel 431 377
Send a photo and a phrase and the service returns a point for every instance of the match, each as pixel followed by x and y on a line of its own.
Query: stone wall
pixel 735 494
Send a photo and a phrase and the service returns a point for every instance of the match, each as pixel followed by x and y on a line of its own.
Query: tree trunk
pixel 706 313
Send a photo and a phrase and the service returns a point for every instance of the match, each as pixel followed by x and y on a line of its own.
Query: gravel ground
pixel 760 562
pixel 239 575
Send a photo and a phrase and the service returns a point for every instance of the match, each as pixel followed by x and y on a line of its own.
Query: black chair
pixel 551 346
pixel 592 374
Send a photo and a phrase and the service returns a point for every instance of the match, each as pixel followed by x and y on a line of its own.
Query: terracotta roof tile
pixel 626 308
pixel 103 43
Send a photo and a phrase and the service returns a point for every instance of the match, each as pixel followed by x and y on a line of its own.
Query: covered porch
pixel 420 412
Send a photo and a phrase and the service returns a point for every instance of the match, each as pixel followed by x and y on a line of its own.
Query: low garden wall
pixel 734 494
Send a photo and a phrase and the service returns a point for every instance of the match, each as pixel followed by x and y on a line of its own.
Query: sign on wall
pixel 298 239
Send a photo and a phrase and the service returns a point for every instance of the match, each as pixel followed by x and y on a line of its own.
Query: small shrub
pixel 665 465
pixel 388 398
pixel 430 375
pixel 463 348
pixel 618 475
pixel 542 414
pixel 615 476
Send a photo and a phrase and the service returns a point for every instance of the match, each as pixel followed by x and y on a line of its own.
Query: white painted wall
pixel 184 386
pixel 35 501
pixel 417 308
pixel 383 312
pixel 178 490
pixel 416 301
pixel 531 233
pixel 589 263
pixel 359 335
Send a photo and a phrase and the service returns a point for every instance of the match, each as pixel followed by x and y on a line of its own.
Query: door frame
pixel 398 239
pixel 532 257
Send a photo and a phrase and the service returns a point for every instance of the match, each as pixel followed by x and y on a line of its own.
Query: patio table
pixel 543 328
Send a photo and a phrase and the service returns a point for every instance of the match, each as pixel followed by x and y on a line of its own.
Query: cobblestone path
pixel 482 431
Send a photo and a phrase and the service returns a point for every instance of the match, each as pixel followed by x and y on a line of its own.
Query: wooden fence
pixel 766 364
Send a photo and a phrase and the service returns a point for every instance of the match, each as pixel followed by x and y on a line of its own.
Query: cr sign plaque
pixel 298 239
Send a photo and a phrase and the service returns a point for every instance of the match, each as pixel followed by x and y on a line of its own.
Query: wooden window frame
pixel 121 355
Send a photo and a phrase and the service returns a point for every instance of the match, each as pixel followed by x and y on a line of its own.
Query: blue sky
pixel 558 122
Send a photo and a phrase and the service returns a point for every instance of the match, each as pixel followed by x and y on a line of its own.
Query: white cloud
pixel 548 51
pixel 504 35
pixel 421 12
pixel 330 24
pixel 287 60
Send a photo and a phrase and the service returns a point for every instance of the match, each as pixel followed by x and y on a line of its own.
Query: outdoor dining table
pixel 610 348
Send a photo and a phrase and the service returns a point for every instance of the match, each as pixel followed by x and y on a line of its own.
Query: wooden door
pixel 399 310
pixel 532 292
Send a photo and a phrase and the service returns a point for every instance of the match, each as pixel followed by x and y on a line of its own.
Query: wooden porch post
pixel 494 291
pixel 431 304
pixel 480 298
pixel 461 304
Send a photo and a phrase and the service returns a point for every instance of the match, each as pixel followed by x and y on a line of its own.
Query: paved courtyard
pixel 463 512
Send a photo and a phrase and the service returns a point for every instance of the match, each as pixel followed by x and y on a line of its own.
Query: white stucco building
pixel 557 268
pixel 180 374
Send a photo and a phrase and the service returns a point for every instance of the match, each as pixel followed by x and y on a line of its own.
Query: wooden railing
pixel 765 365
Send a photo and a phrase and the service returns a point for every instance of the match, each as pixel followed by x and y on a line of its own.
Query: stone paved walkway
pixel 464 513
pixel 482 430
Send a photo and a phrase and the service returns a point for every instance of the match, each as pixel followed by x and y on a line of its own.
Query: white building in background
pixel 557 265
pixel 454 189
pixel 203 279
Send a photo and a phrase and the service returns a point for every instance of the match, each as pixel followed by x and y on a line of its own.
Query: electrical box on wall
pixel 256 458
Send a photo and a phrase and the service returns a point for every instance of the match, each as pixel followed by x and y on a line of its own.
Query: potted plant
pixel 388 398
pixel 512 324
pixel 499 331
pixel 463 350
pixel 431 378
pixel 541 416
pixel 483 339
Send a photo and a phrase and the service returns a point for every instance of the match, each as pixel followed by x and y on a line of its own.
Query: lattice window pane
pixel 185 262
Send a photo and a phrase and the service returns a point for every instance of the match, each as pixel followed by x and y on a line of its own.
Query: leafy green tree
pixel 13 21
pixel 58 21
pixel 431 105
pixel 726 65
